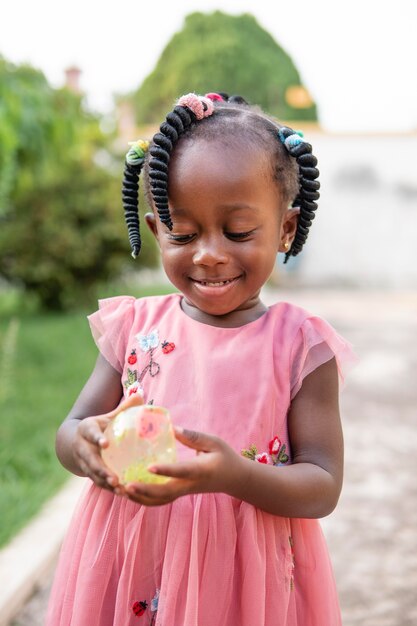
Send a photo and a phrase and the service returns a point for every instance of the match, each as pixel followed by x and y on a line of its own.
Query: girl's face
pixel 228 225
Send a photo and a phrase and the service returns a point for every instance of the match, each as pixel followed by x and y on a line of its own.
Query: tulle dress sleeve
pixel 316 343
pixel 110 327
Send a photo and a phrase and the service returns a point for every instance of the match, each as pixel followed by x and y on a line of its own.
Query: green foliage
pixel 46 365
pixel 220 52
pixel 44 362
pixel 61 216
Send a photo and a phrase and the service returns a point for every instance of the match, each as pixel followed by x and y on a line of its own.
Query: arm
pixel 80 436
pixel 310 487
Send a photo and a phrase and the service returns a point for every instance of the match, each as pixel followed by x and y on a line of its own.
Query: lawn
pixel 44 361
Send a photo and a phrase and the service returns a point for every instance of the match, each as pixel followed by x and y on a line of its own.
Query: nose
pixel 210 251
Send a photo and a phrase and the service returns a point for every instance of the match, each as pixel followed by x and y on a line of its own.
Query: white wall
pixel 365 232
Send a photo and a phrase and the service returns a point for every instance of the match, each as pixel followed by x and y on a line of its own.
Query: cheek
pixel 174 257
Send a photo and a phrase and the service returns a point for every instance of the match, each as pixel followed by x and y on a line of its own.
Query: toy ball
pixel 138 437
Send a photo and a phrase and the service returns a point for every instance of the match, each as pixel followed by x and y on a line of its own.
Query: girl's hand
pixel 89 441
pixel 216 468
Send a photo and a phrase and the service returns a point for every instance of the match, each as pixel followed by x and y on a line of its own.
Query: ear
pixel 288 228
pixel 150 220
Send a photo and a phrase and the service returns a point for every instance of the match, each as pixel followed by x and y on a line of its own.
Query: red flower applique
pixel 276 456
pixel 274 445
pixel 167 347
pixel 263 458
pixel 139 608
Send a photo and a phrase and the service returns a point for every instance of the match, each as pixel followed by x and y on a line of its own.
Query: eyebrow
pixel 230 208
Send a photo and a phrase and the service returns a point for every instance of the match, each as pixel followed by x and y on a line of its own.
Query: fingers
pixel 202 442
pixel 87 444
pixel 133 400
pixel 184 469
pixel 154 495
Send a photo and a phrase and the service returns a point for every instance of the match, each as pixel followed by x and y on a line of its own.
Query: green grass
pixel 44 361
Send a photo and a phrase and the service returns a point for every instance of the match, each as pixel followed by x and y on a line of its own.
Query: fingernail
pixel 152 469
pixel 111 481
pixel 179 430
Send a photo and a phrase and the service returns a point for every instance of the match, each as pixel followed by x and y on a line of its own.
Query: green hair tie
pixel 137 152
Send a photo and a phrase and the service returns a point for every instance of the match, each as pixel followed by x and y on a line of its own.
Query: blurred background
pixel 78 81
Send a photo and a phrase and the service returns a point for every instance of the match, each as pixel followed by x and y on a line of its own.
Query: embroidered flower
pixel 263 458
pixel 139 607
pixel 134 388
pixel 167 347
pixel 274 445
pixel 276 456
pixel 149 341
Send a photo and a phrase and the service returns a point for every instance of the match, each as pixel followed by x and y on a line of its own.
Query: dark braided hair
pixel 193 115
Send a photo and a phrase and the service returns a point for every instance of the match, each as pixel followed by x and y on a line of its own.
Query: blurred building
pixel 72 79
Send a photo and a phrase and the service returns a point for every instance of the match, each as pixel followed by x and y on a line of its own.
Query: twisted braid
pixel 308 186
pixel 188 110
pixel 135 159
pixel 176 123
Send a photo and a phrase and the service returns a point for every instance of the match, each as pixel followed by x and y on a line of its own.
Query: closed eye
pixel 240 236
pixel 180 238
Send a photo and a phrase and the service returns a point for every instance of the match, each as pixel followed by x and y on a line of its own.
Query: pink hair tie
pixel 200 106
pixel 214 97
pixel 209 106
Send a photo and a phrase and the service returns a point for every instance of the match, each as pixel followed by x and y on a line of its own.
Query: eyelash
pixel 181 239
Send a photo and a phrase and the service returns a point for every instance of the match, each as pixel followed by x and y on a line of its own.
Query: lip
pixel 214 286
pixel 214 281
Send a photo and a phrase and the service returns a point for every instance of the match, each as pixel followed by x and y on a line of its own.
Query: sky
pixel 357 58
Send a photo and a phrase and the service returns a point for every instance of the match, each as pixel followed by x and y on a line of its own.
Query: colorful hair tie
pixel 215 97
pixel 137 152
pixel 199 105
pixel 290 141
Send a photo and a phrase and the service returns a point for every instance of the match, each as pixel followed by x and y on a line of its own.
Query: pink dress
pixel 209 558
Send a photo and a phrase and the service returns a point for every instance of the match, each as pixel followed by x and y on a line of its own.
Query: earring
pixel 286 245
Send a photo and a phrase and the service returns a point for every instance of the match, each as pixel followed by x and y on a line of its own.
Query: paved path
pixel 372 534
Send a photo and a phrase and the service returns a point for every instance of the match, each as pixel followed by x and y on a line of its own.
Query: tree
pixel 227 53
pixel 61 220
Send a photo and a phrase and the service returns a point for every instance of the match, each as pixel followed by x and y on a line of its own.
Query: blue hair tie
pixel 290 141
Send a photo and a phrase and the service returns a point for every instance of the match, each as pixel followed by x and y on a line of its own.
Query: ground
pixel 372 533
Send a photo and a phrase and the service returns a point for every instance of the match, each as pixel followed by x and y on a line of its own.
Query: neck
pixel 234 319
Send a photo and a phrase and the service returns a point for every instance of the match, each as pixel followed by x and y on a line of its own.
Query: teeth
pixel 208 284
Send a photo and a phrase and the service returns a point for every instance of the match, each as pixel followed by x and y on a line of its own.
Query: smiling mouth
pixel 215 283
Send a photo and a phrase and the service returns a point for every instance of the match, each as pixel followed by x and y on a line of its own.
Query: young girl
pixel 232 538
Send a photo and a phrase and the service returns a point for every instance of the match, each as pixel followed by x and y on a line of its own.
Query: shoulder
pixel 297 321
pixel 129 306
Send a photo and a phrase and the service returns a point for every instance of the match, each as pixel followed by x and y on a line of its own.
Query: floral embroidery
pixel 154 607
pixel 132 383
pixel 167 347
pixel 148 344
pixel 276 454
pixel 263 458
pixel 139 608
